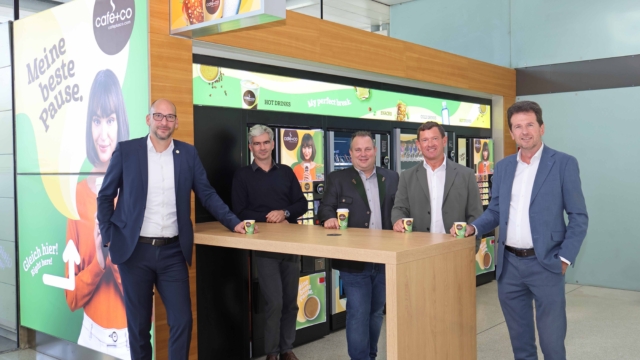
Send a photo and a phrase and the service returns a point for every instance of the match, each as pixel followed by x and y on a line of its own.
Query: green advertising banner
pixel 486 255
pixel 81 86
pixel 312 304
pixel 226 87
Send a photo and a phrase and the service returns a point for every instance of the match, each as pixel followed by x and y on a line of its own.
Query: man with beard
pixel 149 233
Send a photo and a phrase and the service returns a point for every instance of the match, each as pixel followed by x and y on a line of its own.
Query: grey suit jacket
pixel 461 197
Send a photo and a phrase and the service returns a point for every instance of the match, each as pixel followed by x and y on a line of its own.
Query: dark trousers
pixel 366 296
pixel 524 281
pixel 279 281
pixel 166 268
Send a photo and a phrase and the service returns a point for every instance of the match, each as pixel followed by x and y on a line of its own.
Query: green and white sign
pixel 215 86
pixel 312 304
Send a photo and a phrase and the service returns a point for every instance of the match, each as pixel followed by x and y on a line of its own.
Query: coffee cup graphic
pixel 311 308
pixel 486 260
pixel 250 94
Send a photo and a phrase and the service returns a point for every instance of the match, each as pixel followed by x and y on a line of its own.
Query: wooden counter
pixel 431 294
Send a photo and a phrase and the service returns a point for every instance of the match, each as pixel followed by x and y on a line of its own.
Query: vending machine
pixel 477 153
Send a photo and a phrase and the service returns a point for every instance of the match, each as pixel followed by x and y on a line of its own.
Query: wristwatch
pixel 286 214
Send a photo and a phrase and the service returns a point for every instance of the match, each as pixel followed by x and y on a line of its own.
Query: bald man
pixel 149 234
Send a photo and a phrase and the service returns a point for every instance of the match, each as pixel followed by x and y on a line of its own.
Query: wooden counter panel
pixel 379 246
pixel 431 308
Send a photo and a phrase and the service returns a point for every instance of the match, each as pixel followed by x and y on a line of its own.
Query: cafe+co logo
pixel 290 139
pixel 113 24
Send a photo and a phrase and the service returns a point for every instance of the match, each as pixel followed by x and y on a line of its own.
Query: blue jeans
pixel 366 296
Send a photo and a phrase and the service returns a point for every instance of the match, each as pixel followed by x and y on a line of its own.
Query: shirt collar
pixel 255 166
pixel 535 157
pixel 365 176
pixel 443 166
pixel 150 147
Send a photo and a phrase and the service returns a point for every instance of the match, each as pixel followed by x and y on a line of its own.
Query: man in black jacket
pixel 268 192
pixel 368 192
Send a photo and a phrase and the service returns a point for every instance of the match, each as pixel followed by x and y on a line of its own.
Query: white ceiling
pixel 361 14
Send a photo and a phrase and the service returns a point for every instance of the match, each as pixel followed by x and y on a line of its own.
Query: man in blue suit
pixel 149 233
pixel 531 192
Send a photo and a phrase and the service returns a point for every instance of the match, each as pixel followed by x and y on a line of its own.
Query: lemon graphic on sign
pixel 362 93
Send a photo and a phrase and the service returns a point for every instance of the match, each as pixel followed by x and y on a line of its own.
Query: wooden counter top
pixel 379 246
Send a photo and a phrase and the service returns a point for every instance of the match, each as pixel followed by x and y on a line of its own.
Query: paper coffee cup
pixel 407 223
pixel 343 218
pixel 250 94
pixel 249 226
pixel 461 229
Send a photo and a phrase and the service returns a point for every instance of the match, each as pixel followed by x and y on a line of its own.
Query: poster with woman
pixel 303 151
pixel 483 156
pixel 75 101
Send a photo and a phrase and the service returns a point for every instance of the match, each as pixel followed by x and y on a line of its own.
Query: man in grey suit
pixel 367 191
pixel 437 192
pixel 531 192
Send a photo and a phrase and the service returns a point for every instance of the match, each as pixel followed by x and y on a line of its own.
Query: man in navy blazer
pixel 531 193
pixel 149 234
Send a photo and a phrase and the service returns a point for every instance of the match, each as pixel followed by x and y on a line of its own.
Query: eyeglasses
pixel 159 116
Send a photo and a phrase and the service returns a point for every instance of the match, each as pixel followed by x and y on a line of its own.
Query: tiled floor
pixel 603 324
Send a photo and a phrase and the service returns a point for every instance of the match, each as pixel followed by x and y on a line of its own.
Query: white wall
pixel 475 29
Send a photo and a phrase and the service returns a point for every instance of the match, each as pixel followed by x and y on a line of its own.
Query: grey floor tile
pixel 27 354
pixel 334 347
pixel 488 311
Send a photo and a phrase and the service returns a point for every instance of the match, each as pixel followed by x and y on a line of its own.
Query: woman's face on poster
pixel 307 151
pixel 485 155
pixel 105 135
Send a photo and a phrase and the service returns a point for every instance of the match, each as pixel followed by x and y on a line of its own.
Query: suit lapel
pixel 382 189
pixel 421 173
pixel 449 178
pixel 510 175
pixel 143 157
pixel 357 182
pixel 546 163
pixel 176 165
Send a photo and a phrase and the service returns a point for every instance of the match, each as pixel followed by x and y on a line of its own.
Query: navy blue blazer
pixel 556 189
pixel 127 178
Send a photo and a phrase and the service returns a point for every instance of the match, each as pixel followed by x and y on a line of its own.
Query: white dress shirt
pixel 435 179
pixel 160 216
pixel 373 195
pixel 518 227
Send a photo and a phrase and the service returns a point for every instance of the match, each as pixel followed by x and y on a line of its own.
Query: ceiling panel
pixel 361 14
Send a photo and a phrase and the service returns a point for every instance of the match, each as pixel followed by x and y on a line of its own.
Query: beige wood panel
pixel 381 246
pixel 431 308
pixel 509 144
pixel 307 38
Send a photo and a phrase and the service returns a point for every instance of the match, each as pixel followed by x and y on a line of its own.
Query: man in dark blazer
pixel 532 190
pixel 437 192
pixel 149 234
pixel 368 192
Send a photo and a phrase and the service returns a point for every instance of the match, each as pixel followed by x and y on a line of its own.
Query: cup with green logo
pixel 343 218
pixel 407 223
pixel 249 226
pixel 461 229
